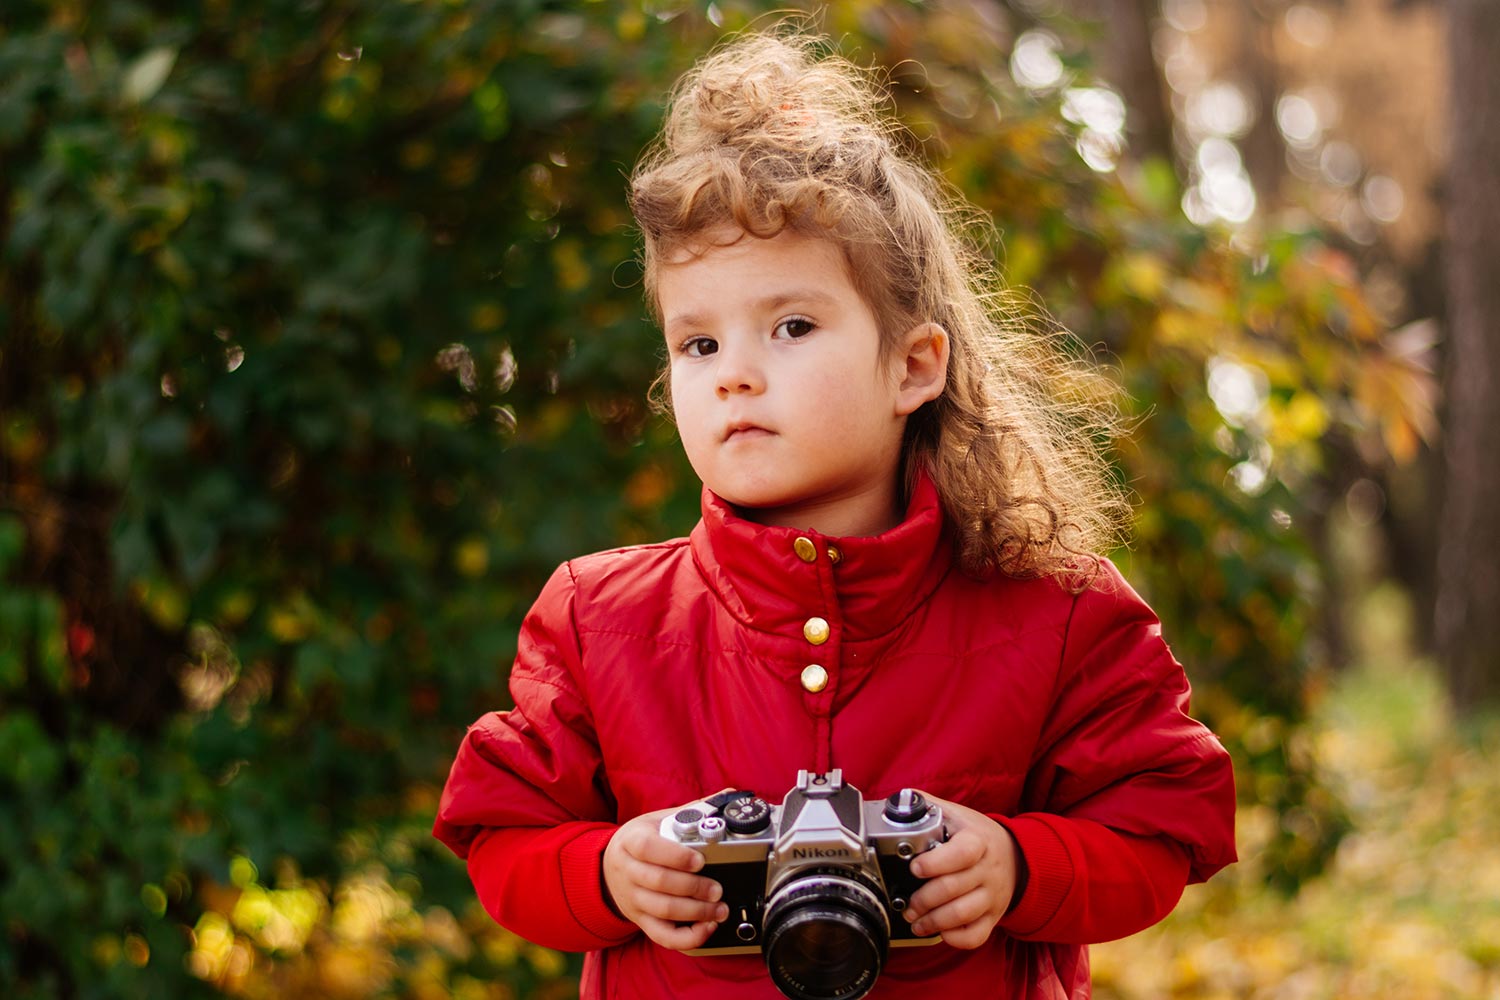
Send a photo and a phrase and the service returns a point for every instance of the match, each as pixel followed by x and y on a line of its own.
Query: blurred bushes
pixel 323 345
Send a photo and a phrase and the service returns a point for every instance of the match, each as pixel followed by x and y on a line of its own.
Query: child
pixel 891 577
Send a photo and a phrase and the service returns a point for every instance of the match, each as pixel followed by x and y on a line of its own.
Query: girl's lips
pixel 745 431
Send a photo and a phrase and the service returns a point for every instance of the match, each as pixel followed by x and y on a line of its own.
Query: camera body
pixel 816 884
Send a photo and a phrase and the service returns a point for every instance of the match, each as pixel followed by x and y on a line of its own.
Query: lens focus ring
pixel 826 936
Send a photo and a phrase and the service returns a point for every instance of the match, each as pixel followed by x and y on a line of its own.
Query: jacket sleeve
pixel 1128 799
pixel 527 803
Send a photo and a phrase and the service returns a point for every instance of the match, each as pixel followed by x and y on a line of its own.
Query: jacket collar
pixel 771 578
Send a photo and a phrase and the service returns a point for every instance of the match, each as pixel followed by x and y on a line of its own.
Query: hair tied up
pixel 766 135
pixel 798 115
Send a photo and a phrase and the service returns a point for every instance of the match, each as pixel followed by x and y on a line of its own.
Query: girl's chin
pixel 752 494
pixel 755 507
pixel 762 506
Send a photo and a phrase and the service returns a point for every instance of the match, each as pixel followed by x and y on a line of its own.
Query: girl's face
pixel 782 398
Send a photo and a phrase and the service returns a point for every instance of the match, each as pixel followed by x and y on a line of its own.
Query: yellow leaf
pixel 289 622
pixel 487 316
pixel 1178 327
pixel 572 269
pixel 631 26
pixel 236 607
pixel 1144 275
pixel 163 603
pixel 1401 439
pixel 1023 259
pixel 472 557
pixel 1303 418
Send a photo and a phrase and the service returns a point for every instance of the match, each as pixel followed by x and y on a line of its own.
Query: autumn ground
pixel 1410 907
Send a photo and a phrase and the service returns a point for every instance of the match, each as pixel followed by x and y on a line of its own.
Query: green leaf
pixel 12 541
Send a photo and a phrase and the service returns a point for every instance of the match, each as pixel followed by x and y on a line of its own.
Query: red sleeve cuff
pixel 583 885
pixel 1050 876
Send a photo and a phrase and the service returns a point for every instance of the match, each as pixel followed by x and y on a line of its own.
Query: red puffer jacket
pixel 650 676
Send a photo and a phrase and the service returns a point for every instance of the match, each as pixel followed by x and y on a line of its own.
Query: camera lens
pixel 826 936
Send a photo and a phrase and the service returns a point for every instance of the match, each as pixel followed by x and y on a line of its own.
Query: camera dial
pixel 748 816
pixel 906 806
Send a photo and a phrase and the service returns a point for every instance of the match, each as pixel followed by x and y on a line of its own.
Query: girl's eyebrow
pixel 810 296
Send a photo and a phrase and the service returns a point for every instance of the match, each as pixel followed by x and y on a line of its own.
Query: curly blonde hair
pixel 768 134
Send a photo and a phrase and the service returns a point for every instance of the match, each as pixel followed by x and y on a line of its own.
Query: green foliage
pixel 322 347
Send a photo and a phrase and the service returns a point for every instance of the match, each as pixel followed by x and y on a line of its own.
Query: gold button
pixel 805 549
pixel 814 678
pixel 834 555
pixel 815 631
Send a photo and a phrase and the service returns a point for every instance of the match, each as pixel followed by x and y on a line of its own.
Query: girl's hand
pixel 652 884
pixel 973 877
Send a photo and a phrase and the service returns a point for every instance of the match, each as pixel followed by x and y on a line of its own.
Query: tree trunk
pixel 1261 147
pixel 1468 608
pixel 1131 65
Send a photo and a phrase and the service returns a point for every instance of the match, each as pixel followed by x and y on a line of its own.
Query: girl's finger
pixel 954 914
pixel 943 890
pixel 679 909
pixel 658 850
pixel 962 851
pixel 674 936
pixel 672 882
pixel 969 935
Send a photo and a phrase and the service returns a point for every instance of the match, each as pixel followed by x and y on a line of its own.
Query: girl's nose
pixel 738 371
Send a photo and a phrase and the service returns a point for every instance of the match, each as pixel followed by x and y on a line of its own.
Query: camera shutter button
pixel 906 806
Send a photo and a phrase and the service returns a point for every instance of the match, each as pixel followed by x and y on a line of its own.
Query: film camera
pixel 816 884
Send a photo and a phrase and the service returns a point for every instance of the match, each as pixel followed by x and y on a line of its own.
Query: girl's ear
pixel 921 367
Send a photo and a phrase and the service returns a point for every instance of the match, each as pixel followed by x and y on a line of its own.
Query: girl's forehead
pixel 730 246
pixel 685 249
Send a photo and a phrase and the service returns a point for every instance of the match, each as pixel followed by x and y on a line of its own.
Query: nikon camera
pixel 817 884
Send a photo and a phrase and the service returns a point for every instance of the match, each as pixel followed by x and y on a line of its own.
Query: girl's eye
pixel 796 326
pixel 699 347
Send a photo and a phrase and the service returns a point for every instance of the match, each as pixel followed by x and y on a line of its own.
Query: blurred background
pixel 322 344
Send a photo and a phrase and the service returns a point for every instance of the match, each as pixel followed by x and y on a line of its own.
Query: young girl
pixel 891 577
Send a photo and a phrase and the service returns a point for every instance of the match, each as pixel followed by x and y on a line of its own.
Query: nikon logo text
pixel 820 852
